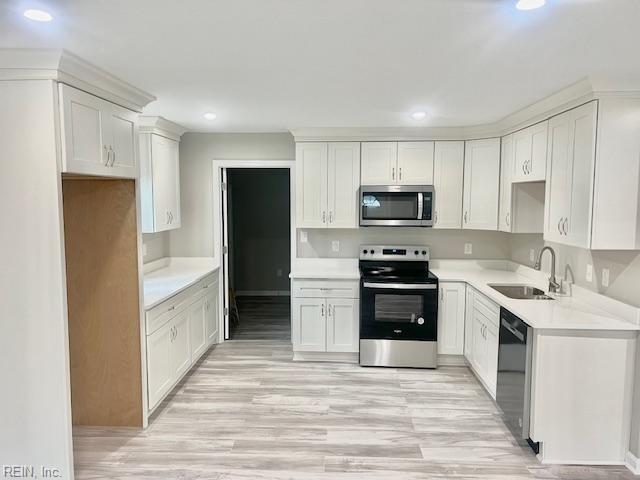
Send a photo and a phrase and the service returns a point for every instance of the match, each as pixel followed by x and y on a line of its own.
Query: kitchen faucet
pixel 553 285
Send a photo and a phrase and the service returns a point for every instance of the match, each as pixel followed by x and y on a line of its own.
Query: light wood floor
pixel 248 412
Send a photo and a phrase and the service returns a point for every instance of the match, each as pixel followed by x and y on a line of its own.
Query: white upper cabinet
pixel 327 182
pixel 98 137
pixel 379 163
pixel 530 153
pixel 415 163
pixel 481 184
pixel 159 174
pixel 397 163
pixel 448 184
pixel 506 170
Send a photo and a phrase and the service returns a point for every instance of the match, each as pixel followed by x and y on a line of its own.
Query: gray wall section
pixel 444 243
pixel 197 150
pixel 624 266
pixel 261 229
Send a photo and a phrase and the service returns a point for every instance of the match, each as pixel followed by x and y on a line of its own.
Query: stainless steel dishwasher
pixel 513 392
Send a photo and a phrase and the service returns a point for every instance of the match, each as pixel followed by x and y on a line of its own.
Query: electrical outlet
pixel 144 249
pixel 279 272
pixel 335 245
pixel 304 238
pixel 468 248
pixel 532 255
pixel 589 275
pixel 605 277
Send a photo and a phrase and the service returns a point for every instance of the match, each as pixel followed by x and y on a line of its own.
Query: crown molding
pixel 160 126
pixel 65 67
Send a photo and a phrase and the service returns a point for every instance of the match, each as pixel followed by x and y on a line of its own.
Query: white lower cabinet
pixel 481 330
pixel 325 316
pixel 179 332
pixel 451 318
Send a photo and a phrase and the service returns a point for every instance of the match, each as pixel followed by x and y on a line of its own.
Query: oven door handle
pixel 401 286
pixel 420 205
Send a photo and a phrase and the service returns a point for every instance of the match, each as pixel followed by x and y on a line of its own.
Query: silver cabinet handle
pixel 524 170
pixel 393 173
pixel 324 217
pixel 400 173
pixel 322 310
pixel 113 160
pixel 329 309
pixel 172 307
pixel 168 218
pixel 441 294
pixel 508 219
pixel 435 217
pixel 106 162
pixel 330 216
pixel 465 217
pixel 559 228
pixel 564 225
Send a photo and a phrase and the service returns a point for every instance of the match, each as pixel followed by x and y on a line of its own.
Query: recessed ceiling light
pixel 38 15
pixel 530 4
pixel 210 116
pixel 419 115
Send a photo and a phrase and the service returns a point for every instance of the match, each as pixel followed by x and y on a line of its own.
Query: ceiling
pixel 274 65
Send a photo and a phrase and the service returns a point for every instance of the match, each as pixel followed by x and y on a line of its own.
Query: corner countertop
pixel 326 268
pixel 168 276
pixel 582 311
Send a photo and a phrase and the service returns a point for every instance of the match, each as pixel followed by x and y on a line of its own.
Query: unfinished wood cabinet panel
pixel 103 302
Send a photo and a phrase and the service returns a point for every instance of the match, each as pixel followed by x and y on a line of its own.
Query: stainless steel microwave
pixel 396 205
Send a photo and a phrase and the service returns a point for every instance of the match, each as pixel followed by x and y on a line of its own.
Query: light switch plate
pixel 335 245
pixel 605 277
pixel 589 275
pixel 304 238
pixel 532 255
pixel 468 248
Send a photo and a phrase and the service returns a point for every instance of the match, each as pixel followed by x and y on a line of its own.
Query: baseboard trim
pixel 335 357
pixel 632 463
pixel 451 361
pixel 263 293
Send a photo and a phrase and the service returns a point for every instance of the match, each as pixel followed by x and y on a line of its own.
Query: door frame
pixel 219 205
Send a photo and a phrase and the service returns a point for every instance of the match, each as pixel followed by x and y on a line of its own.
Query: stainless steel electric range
pixel 398 307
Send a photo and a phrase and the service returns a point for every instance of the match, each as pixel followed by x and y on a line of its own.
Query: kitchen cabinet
pixel 482 319
pixel 506 171
pixel 327 182
pixel 397 163
pixel 159 183
pixel 530 153
pixel 325 317
pixel 98 137
pixel 448 184
pixel 481 184
pixel 179 332
pixel 451 318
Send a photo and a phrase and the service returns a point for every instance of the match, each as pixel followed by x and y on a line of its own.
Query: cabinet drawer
pixel 487 308
pixel 325 288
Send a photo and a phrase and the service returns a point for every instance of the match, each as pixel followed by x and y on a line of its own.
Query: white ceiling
pixel 273 65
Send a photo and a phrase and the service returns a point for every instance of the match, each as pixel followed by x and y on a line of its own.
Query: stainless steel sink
pixel 520 292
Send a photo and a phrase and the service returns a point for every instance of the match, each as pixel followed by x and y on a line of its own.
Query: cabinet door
pixel 468 325
pixel 506 170
pixel 197 328
pixel 522 155
pixel 479 360
pixel 311 185
pixel 85 132
pixel 124 140
pixel 165 172
pixel 343 329
pixel 159 371
pixel 538 164
pixel 481 184
pixel 379 163
pixel 583 148
pixel 180 346
pixel 309 330
pixel 211 315
pixel 415 163
pixel 557 195
pixel 491 334
pixel 447 184
pixel 451 318
pixel 343 183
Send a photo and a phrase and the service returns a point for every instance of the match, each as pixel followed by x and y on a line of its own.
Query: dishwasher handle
pixel 507 326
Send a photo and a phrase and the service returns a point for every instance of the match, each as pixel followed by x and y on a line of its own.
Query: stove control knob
pixel 372 252
pixel 416 252
pixel 364 251
pixel 420 321
pixel 424 252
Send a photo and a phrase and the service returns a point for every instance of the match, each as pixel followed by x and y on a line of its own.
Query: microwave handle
pixel 420 205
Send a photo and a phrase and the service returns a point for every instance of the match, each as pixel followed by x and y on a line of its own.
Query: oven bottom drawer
pixel 398 353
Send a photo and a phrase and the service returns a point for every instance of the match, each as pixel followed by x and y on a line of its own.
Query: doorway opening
pixel 257 231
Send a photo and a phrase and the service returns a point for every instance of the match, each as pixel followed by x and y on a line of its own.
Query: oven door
pixel 398 311
pixel 396 205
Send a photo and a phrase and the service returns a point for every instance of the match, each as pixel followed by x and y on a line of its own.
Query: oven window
pixel 398 308
pixel 389 206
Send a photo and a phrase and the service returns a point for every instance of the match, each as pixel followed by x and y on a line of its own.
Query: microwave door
pixel 390 208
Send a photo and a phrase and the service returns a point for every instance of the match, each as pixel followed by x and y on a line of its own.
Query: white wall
pixel 35 415
pixel 157 246
pixel 197 150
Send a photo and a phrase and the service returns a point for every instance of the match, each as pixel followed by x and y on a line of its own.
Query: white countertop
pixel 563 313
pixel 168 276
pixel 327 268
